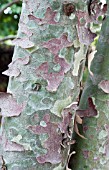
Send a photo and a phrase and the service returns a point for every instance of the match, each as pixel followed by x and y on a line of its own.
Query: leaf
pixel 9 106
pixel 23 42
pixel 104 85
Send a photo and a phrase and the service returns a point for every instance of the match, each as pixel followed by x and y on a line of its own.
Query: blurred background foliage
pixel 9 19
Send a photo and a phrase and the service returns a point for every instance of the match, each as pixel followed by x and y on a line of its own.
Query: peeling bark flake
pixel 14 67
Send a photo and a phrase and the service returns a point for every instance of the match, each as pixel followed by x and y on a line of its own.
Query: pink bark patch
pixel 31 6
pixel 65 67
pixel 85 35
pixel 54 78
pixel 49 18
pixel 14 66
pixel 56 44
pixel 9 106
pixel 104 85
pixel 90 112
pixel 52 144
pixel 11 146
pixel 25 29
pixel 23 42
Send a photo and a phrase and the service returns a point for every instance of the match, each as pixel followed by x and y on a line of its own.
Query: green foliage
pixel 9 19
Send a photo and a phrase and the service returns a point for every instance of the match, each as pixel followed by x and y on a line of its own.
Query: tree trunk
pixel 44 86
pixel 43 82
pixel 93 153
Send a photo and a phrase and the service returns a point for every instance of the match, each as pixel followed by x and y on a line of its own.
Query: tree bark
pixel 92 153
pixel 41 80
pixel 44 86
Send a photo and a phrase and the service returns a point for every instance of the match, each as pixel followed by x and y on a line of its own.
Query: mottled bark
pixel 93 153
pixel 44 86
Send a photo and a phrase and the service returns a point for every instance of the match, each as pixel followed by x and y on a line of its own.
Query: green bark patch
pixel 59 105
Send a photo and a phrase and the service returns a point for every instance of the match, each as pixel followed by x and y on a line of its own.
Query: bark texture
pixel 44 83
pixel 93 153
